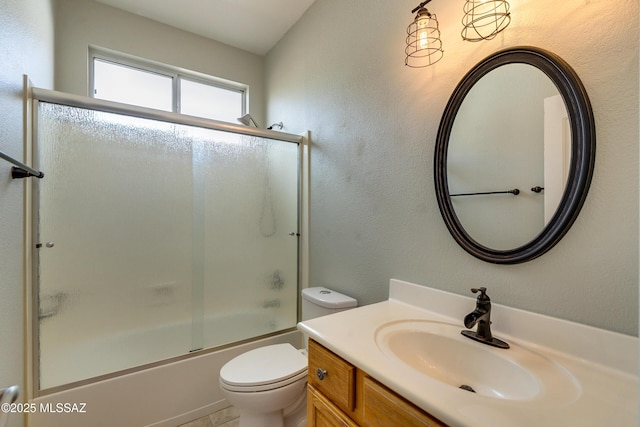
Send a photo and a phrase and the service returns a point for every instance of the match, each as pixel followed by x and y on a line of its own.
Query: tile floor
pixel 227 417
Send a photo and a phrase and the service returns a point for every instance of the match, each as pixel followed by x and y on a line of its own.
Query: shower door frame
pixel 33 96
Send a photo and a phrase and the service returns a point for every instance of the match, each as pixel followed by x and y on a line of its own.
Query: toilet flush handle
pixel 321 373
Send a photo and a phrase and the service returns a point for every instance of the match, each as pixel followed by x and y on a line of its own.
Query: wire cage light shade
pixel 484 19
pixel 424 46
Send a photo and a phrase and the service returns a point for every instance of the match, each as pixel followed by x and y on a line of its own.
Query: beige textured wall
pixel 80 23
pixel 339 72
pixel 26 47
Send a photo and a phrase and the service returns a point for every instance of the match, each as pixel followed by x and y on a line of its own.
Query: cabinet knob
pixel 321 373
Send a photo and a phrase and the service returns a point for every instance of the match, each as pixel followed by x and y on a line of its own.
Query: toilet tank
pixel 319 301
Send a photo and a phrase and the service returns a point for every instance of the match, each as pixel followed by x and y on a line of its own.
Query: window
pixel 196 100
pixel 133 81
pixel 117 82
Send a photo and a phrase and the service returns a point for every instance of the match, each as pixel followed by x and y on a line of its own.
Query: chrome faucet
pixel 481 316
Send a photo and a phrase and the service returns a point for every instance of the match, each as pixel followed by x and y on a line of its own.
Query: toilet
pixel 268 384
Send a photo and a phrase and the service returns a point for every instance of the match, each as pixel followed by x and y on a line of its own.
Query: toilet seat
pixel 264 368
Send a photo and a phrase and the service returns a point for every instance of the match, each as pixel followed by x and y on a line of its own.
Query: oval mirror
pixel 514 155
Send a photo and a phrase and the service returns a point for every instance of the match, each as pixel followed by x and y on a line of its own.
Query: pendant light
pixel 484 19
pixel 424 46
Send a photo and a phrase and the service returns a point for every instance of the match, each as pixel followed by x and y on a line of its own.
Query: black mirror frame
pixel 583 148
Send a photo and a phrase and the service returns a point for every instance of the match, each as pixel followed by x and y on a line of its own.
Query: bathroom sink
pixel 441 352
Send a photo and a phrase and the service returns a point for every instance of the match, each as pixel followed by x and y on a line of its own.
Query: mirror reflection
pixel 511 138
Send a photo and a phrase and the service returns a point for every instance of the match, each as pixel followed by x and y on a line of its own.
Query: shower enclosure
pixel 156 235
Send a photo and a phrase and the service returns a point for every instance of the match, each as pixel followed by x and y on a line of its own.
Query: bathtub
pixel 64 362
pixel 165 395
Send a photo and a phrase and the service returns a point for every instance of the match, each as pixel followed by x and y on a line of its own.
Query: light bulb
pixel 424 42
pixel 423 31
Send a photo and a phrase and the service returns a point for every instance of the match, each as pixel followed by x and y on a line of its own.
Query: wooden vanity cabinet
pixel 339 394
pixel 322 413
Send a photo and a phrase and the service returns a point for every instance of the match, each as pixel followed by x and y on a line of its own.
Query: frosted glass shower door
pixel 156 239
pixel 249 241
pixel 115 280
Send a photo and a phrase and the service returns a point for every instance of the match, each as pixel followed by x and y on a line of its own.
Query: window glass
pixel 212 102
pixel 121 83
pixel 162 87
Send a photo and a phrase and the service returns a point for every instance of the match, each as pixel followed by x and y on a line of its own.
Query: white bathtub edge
pixel 160 396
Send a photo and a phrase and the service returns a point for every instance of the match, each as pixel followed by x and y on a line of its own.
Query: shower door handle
pixel 294 234
pixel 47 245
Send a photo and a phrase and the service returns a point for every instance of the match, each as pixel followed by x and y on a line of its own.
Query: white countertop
pixel 602 364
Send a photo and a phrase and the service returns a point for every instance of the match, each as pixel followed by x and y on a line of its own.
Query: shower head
pixel 247 120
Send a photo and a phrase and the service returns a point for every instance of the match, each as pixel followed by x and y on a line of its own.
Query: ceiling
pixel 252 25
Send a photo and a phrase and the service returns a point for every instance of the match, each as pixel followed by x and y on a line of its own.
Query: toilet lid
pixel 264 365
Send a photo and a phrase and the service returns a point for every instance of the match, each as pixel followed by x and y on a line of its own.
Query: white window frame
pixel 175 73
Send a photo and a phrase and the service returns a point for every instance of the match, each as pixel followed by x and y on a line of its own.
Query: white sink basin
pixel 441 352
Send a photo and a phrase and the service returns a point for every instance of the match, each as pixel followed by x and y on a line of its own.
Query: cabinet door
pixel 384 408
pixel 332 376
pixel 322 413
